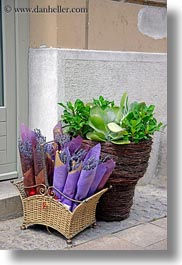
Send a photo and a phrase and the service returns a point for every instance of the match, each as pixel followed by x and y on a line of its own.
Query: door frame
pixel 15 30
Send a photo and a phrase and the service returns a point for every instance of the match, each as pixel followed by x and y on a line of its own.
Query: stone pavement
pixel 145 229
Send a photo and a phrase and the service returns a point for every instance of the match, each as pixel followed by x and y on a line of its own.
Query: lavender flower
pixel 25 148
pixel 39 137
pixel 49 149
pixel 91 163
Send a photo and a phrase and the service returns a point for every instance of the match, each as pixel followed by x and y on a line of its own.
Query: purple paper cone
pixel 59 179
pixel 101 170
pixel 60 174
pixel 84 183
pixel 110 165
pixel 27 134
pixel 93 152
pixel 70 186
pixel 75 144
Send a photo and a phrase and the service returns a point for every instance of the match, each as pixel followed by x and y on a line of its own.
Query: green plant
pixel 104 127
pixel 75 118
pixel 140 122
pixel 124 124
pixel 102 121
pixel 102 102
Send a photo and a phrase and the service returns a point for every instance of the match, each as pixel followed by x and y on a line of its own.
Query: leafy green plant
pixel 124 124
pixel 102 121
pixel 103 103
pixel 140 122
pixel 75 118
pixel 104 128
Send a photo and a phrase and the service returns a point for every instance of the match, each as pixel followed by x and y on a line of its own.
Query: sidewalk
pixel 148 236
pixel 145 229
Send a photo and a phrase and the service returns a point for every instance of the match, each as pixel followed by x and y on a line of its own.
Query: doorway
pixel 14 44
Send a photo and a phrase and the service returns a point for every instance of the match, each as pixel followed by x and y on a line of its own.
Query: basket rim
pixel 46 195
pixel 112 144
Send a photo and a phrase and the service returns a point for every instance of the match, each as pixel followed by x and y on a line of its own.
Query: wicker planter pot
pixel 131 164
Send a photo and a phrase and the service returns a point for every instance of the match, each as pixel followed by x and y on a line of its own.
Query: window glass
pixel 1 61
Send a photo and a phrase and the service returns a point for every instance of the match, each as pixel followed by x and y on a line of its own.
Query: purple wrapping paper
pixel 83 185
pixel 59 179
pixel 75 144
pixel 93 152
pixel 26 144
pixel 60 175
pixel 110 165
pixel 101 170
pixel 70 186
pixel 87 176
pixel 27 134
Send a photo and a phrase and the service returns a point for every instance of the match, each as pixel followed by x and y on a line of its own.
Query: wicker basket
pixel 131 164
pixel 45 210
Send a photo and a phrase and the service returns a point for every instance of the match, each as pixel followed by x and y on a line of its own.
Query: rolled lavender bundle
pixel 71 184
pixel 57 131
pixel 75 166
pixel 75 144
pixel 87 174
pixel 60 171
pixel 85 180
pixel 57 134
pixel 49 161
pixel 27 134
pixel 39 160
pixel 101 170
pixel 102 175
pixel 110 165
pixel 26 158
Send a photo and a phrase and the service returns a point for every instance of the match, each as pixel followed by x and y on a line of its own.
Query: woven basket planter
pixel 45 210
pixel 131 165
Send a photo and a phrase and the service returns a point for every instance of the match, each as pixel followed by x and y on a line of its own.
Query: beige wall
pixel 58 30
pixel 108 25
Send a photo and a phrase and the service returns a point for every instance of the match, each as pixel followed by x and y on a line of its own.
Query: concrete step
pixel 10 202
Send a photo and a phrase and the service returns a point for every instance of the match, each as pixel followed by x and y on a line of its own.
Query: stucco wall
pixel 59 75
pixel 108 25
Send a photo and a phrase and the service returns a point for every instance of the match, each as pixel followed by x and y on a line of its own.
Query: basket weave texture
pixel 45 210
pixel 131 165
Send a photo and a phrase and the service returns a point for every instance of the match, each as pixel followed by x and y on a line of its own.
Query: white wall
pixel 59 75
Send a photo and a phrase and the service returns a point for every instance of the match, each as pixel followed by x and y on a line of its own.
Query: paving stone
pixel 107 243
pixel 143 235
pixel 161 245
pixel 161 223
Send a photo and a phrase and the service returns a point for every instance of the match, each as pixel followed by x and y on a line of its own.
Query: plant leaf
pixel 118 136
pixel 97 123
pixel 120 142
pixel 114 127
pixel 94 137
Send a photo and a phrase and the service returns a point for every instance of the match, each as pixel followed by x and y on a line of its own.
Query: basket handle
pixel 45 191
pixel 61 193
